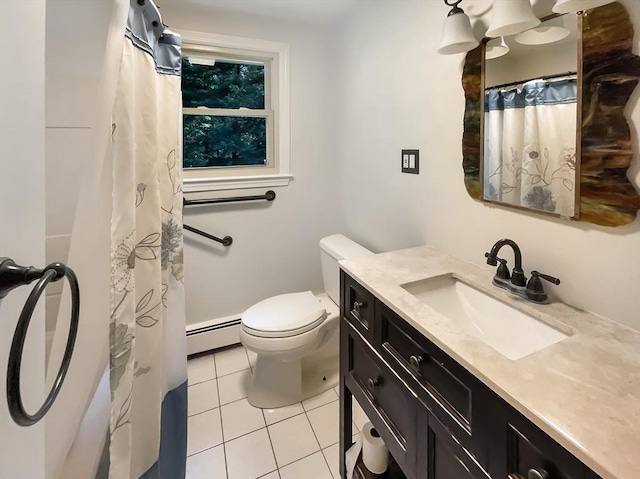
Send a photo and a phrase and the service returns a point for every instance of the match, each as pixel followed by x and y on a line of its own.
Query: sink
pixel 509 331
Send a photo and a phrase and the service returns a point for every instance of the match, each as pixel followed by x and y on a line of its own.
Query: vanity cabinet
pixel 437 419
pixel 440 454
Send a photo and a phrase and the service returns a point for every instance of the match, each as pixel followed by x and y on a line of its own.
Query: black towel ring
pixel 12 276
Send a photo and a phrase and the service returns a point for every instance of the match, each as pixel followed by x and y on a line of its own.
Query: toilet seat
pixel 285 315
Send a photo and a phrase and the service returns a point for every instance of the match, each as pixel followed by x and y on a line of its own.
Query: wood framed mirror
pixel 606 74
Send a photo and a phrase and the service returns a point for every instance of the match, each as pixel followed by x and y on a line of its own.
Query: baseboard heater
pixel 213 334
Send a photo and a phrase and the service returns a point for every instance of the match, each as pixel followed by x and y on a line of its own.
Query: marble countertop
pixel 583 391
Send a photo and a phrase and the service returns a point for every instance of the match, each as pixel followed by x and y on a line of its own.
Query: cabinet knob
pixel 415 362
pixel 537 474
pixel 373 383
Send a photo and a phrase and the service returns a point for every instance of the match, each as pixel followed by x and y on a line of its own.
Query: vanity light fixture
pixel 496 47
pixel 573 6
pixel 510 17
pixel 542 35
pixel 457 36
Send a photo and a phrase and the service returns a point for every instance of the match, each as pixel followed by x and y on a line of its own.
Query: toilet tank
pixel 333 249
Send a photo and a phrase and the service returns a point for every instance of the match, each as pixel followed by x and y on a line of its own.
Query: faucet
pixel 517 278
pixel 516 282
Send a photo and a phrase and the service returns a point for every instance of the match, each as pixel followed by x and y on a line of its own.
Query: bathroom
pixel 366 82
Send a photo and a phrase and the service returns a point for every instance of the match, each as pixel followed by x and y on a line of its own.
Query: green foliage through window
pixel 224 141
pixel 219 141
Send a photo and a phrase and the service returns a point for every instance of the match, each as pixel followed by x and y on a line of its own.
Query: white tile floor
pixel 230 439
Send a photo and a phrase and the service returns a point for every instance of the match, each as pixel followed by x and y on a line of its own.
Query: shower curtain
pixel 530 145
pixel 147 329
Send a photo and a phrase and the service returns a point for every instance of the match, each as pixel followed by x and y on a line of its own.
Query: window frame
pixel 275 56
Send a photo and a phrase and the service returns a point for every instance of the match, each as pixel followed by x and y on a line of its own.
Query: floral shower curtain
pixel 148 344
pixel 530 145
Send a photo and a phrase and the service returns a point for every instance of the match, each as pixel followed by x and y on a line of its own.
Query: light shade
pixel 542 35
pixel 511 17
pixel 572 6
pixel 496 47
pixel 457 36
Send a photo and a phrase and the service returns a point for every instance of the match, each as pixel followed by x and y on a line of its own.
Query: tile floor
pixel 230 439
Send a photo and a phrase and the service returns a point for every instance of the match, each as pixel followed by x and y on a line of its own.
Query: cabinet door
pixel 440 454
pixel 531 454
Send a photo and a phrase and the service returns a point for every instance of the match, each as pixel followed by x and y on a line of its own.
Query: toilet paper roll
pixel 375 454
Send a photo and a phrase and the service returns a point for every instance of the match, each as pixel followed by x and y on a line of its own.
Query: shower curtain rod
pixel 545 77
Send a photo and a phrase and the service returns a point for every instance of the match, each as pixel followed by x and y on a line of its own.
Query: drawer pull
pixel 537 474
pixel 415 362
pixel 373 383
pixel 357 306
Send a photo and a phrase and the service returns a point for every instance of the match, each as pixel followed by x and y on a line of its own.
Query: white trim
pixel 227 112
pixel 280 104
pixel 228 41
pixel 194 185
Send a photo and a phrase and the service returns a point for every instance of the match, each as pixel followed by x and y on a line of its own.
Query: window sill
pixel 195 185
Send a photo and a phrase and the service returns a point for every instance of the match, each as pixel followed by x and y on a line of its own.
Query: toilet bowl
pixel 295 335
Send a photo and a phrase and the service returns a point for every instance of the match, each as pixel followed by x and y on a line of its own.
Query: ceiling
pixel 315 11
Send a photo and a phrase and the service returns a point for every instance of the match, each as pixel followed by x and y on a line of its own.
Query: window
pixel 235 95
pixel 226 122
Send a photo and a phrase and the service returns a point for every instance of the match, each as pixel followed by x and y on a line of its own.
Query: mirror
pixel 544 126
pixel 530 117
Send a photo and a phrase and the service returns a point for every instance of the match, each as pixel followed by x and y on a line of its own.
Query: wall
pixel 396 92
pixel 275 248
pixel 22 219
pixel 83 48
pixel 75 43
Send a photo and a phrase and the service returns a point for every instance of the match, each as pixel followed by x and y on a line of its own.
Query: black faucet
pixel 516 281
pixel 517 277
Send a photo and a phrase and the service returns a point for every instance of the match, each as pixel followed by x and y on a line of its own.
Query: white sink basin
pixel 509 331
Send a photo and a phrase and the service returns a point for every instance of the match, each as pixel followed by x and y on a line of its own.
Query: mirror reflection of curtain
pixel 530 145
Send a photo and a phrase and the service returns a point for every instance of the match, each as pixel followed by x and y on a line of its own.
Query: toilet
pixel 295 335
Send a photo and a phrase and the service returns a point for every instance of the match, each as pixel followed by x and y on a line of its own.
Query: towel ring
pixel 12 276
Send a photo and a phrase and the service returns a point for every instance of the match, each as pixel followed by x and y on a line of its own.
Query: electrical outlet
pixel 411 161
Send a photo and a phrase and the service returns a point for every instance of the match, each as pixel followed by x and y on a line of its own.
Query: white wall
pixel 22 221
pixel 396 92
pixel 83 48
pixel 75 44
pixel 275 247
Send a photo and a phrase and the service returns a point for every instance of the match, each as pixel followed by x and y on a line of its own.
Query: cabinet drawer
pixel 430 369
pixel 389 404
pixel 531 453
pixel 458 399
pixel 357 305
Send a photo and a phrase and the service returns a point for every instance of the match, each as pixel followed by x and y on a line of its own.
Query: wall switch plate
pixel 411 161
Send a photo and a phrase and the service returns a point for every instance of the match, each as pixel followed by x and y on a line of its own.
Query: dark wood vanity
pixel 437 419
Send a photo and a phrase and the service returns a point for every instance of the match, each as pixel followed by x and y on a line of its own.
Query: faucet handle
pixel 535 289
pixel 491 260
pixel 551 279
pixel 503 271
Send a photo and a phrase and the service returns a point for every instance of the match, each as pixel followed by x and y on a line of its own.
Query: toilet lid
pixel 285 314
